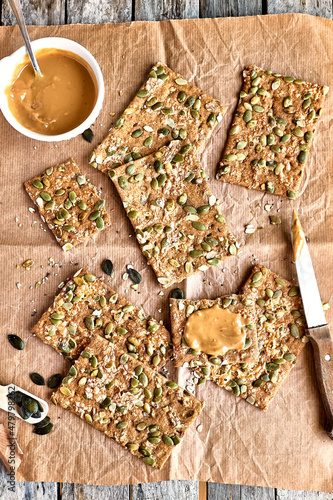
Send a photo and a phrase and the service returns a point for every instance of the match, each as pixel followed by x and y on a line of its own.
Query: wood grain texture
pixel 166 490
pixel 159 10
pixel 26 491
pixel 85 492
pixel 322 8
pixel 98 11
pixel 236 492
pixel 302 495
pixel 39 12
pixel 234 8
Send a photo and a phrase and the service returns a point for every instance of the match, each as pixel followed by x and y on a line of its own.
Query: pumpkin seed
pixel 16 342
pixel 90 278
pixel 107 267
pixel 274 219
pixel 177 293
pixel 211 119
pixel 280 281
pixel 37 379
pixel 181 96
pixel 42 423
pixel 294 290
pixel 42 431
pixel 195 253
pixel 142 93
pixel 167 440
pixel 294 331
pixel 302 157
pixel 37 184
pixel 171 384
pixel 29 404
pixel 199 226
pixel 149 461
pixel 54 381
pixel 88 135
pixel 143 379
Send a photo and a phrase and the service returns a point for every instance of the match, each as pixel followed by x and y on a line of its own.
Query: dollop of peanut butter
pixel 56 102
pixel 215 330
pixel 298 236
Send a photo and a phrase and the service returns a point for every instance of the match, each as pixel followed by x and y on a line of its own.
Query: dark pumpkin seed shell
pixel 38 414
pixel 54 381
pixel 135 276
pixel 16 342
pixel 43 423
pixel 37 379
pixel 177 293
pixel 29 404
pixel 88 135
pixel 107 267
pixel 44 430
pixel 25 414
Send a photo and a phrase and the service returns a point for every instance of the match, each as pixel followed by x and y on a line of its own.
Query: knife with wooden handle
pixel 318 330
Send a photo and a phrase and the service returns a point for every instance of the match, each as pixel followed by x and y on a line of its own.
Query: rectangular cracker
pixel 52 193
pixel 281 337
pixel 145 413
pixel 193 118
pixel 161 194
pixel 267 146
pixel 180 310
pixel 87 307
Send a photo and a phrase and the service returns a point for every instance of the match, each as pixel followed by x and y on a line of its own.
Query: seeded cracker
pixel 181 310
pixel 174 213
pixel 166 107
pixel 281 338
pixel 68 204
pixel 87 307
pixel 131 403
pixel 271 132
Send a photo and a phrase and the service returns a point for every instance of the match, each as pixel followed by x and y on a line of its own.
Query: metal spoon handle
pixel 16 6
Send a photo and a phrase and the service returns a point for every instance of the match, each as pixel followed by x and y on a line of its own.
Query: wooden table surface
pixel 104 11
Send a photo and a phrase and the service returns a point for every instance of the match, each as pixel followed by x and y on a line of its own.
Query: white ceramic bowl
pixel 8 65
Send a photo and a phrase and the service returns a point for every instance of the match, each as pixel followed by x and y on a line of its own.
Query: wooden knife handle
pixel 322 344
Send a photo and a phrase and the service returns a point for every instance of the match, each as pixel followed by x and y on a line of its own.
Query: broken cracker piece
pixel 128 401
pixel 68 204
pixel 166 107
pixel 271 133
pixel 176 217
pixel 87 307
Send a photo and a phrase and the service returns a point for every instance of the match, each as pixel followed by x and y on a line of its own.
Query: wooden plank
pixel 235 8
pixel 98 11
pixel 302 495
pixel 84 492
pixel 166 490
pixel 40 12
pixel 237 492
pixel 322 8
pixel 26 491
pixel 159 10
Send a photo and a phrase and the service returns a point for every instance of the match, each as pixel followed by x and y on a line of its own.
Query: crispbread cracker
pixel 59 193
pixel 271 132
pixel 174 213
pixel 166 107
pixel 281 338
pixel 145 413
pixel 87 307
pixel 180 311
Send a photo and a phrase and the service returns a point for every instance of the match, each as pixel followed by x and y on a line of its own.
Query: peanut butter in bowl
pixel 56 102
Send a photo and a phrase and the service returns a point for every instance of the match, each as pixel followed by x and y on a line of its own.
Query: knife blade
pixel 313 308
pixel 318 330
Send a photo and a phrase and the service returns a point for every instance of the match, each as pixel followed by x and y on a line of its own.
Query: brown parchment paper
pixel 286 447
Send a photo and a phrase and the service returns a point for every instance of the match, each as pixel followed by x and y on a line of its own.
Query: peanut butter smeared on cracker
pixel 298 236
pixel 215 330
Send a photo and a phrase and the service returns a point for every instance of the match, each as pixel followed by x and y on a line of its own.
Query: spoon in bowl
pixel 16 6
